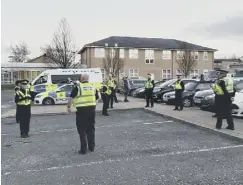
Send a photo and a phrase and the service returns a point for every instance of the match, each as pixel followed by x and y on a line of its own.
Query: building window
pixel 195 55
pixel 133 73
pixel 179 54
pixel 149 56
pixel 103 73
pixel 166 55
pixel 180 72
pixel 99 52
pixel 166 74
pixel 133 53
pixel 194 73
pixel 122 53
pixel 205 55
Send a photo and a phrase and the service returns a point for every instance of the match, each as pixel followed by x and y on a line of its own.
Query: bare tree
pixel 112 62
pixel 186 62
pixel 61 52
pixel 19 53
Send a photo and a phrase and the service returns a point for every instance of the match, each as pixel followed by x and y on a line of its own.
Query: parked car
pixel 238 85
pixel 200 95
pixel 208 103
pixel 189 92
pixel 168 86
pixel 134 84
pixel 237 105
pixel 140 92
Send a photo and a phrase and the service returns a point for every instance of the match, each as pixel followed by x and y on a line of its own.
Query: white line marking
pixel 126 159
pixel 169 121
pixel 103 126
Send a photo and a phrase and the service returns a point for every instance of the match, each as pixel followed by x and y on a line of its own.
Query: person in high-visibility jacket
pixel 223 105
pixel 16 90
pixel 179 88
pixel 111 84
pixel 149 86
pixel 229 85
pixel 105 93
pixel 83 98
pixel 23 100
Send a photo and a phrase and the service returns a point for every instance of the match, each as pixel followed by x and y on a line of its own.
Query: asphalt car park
pixel 132 147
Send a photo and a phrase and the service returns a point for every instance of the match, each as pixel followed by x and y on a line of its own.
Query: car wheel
pixel 48 101
pixel 187 102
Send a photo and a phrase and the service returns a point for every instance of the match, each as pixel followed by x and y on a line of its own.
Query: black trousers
pixel 178 100
pixel 17 114
pixel 229 120
pixel 85 121
pixel 111 98
pixel 149 97
pixel 125 95
pixel 105 99
pixel 24 112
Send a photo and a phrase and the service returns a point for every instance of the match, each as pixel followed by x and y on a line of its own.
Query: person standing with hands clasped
pixel 179 88
pixel 23 101
pixel 149 86
pixel 16 90
pixel 223 104
pixel 111 84
pixel 84 97
pixel 105 93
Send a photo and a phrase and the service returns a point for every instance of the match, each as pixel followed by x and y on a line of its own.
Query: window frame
pixel 133 54
pixel 133 69
pixel 179 54
pixel 167 73
pixel 121 53
pixel 101 53
pixel 205 52
pixel 164 54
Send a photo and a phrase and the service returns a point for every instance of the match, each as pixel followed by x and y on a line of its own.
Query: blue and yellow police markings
pixel 45 87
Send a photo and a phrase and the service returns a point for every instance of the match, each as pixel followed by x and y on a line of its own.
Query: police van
pixel 60 95
pixel 50 80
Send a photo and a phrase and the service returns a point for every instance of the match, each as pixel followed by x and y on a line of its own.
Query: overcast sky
pixel 212 23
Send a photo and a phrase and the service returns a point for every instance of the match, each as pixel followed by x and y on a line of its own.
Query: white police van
pixel 50 80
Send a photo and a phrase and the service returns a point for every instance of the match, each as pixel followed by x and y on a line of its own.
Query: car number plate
pixel 197 101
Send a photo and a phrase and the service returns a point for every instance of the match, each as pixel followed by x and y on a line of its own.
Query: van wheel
pixel 187 102
pixel 48 101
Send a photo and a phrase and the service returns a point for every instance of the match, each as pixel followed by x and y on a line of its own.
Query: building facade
pixel 144 55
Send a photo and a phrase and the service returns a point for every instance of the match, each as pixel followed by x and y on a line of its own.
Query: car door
pixel 63 94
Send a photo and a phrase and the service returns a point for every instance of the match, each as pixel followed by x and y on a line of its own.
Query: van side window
pixel 41 80
pixel 63 79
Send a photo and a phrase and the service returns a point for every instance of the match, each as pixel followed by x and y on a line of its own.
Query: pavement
pixel 132 147
pixel 191 115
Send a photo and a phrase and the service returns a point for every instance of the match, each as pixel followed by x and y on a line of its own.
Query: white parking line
pixel 126 159
pixel 103 126
pixel 169 121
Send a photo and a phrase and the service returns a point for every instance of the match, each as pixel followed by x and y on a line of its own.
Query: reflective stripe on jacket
pixel 22 95
pixel 85 96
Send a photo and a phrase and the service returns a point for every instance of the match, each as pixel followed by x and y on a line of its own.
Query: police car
pixel 237 105
pixel 58 96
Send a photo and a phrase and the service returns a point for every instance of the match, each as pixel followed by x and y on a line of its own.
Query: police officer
pixel 16 90
pixel 229 85
pixel 23 100
pixel 84 98
pixel 179 88
pixel 105 93
pixel 149 86
pixel 223 105
pixel 111 85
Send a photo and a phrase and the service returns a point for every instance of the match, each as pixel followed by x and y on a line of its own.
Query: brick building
pixel 147 55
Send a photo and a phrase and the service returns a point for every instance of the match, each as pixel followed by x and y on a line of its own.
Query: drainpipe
pixel 172 65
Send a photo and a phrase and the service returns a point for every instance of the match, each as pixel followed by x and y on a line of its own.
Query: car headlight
pixel 156 90
pixel 172 96
pixel 141 90
pixel 209 97
pixel 38 95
